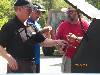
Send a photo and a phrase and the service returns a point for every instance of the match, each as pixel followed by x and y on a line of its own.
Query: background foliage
pixel 95 3
pixel 6 11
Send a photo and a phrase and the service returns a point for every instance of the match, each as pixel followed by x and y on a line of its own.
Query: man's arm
pixel 45 41
pixel 49 43
pixel 11 61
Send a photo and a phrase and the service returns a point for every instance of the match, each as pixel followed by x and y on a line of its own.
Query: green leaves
pixel 6 11
pixel 95 3
pixel 3 21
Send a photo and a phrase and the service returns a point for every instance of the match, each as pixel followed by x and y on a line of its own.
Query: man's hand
pixel 62 46
pixel 61 42
pixel 71 37
pixel 11 62
pixel 46 29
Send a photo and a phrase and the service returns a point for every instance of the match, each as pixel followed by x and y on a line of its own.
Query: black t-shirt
pixel 19 41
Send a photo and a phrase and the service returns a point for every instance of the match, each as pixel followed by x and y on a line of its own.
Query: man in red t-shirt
pixel 71 31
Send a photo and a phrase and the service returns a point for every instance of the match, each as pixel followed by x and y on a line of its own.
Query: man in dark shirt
pixel 12 38
pixel 16 41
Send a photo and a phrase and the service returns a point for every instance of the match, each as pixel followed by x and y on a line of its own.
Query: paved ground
pixel 50 64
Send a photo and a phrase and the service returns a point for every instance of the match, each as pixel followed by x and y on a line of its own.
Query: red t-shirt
pixel 65 28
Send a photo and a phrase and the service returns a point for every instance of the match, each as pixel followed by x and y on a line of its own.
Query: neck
pixel 75 21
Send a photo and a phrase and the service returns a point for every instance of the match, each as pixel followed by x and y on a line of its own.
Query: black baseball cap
pixel 22 3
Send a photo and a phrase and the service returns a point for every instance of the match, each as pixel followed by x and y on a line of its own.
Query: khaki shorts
pixel 66 64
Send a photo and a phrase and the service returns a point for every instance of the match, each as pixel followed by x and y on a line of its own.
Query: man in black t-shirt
pixel 16 41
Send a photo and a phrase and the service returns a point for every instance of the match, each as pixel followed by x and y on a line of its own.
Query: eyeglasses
pixel 37 11
pixel 71 11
